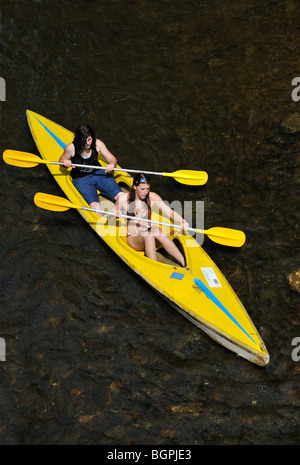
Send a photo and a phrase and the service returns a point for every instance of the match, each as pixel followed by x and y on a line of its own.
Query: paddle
pixel 224 236
pixel 29 160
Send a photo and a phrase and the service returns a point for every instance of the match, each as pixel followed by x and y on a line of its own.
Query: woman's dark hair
pixel 81 134
pixel 138 179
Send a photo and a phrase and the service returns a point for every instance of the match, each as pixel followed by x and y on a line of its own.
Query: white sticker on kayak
pixel 211 277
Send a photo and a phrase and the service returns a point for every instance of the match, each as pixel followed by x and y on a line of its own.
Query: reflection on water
pixel 93 355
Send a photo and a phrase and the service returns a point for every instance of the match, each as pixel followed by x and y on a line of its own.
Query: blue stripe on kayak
pixel 60 142
pixel 214 299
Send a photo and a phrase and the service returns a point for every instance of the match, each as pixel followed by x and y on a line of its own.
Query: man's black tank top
pixel 78 159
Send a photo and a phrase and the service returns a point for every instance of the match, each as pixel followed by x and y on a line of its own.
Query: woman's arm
pixel 67 155
pixel 168 211
pixel 109 157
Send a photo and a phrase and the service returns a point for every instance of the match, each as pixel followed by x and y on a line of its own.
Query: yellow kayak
pixel 200 291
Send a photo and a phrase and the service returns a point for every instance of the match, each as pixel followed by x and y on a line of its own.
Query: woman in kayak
pixel 142 235
pixel 84 151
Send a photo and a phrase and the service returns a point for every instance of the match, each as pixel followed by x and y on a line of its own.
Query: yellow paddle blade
pixel 53 202
pixel 21 159
pixel 189 177
pixel 226 236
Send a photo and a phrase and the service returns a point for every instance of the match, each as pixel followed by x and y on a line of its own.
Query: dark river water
pixel 93 355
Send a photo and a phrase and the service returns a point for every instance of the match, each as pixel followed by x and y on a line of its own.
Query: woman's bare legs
pixel 144 242
pixel 147 241
pixel 171 248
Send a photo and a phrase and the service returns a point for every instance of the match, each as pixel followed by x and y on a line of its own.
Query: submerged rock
pixel 294 281
pixel 291 124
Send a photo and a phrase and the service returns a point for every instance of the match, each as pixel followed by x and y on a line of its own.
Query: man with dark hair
pixel 84 151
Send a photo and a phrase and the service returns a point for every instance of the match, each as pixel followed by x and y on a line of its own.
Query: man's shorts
pixel 99 180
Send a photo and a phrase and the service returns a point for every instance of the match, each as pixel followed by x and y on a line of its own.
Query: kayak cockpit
pixel 162 254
